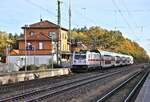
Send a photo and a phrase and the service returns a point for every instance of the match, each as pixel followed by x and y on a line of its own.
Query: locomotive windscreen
pixel 80 56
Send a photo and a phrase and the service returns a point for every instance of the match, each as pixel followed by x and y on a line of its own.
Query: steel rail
pixel 53 91
pixel 24 84
pixel 71 87
pixel 118 87
pixel 31 84
pixel 136 87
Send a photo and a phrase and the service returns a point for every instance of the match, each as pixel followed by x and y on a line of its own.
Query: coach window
pixel 118 59
pixel 107 59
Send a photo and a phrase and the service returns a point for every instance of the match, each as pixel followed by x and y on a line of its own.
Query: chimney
pixel 41 20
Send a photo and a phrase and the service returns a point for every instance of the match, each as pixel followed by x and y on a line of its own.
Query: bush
pixel 29 67
pixel 43 67
pixel 2 58
pixel 55 65
pixel 32 67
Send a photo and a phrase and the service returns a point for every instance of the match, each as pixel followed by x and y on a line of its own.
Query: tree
pixel 4 40
pixel 14 38
pixel 110 41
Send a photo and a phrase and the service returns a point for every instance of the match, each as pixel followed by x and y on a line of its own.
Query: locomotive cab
pixel 79 61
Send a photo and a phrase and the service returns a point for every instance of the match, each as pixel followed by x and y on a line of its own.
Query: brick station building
pixel 41 41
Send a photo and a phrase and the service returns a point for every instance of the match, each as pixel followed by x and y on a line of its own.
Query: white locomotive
pixel 88 60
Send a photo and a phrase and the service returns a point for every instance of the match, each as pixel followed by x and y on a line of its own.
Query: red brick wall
pixel 47 48
pixel 38 31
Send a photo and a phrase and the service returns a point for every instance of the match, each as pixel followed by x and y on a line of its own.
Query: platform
pixel 5 78
pixel 144 94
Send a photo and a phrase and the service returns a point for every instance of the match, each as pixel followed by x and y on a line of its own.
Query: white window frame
pixel 41 45
pixel 28 44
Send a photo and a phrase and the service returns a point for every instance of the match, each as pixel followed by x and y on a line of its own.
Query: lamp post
pixel 84 10
pixel 34 49
pixel 8 50
pixel 51 36
pixel 25 48
pixel 52 51
pixel 7 56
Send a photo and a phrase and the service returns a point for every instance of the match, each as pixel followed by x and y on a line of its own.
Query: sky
pixel 131 17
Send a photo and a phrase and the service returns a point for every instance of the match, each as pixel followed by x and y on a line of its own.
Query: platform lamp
pixel 51 35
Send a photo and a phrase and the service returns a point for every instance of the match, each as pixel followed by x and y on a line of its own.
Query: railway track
pixel 126 91
pixel 45 81
pixel 27 86
pixel 45 92
pixel 34 84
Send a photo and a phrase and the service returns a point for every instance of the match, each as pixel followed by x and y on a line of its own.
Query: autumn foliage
pixel 96 37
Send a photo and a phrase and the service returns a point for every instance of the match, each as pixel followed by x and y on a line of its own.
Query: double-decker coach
pixel 85 60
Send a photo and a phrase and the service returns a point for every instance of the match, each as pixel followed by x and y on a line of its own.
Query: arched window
pixel 31 33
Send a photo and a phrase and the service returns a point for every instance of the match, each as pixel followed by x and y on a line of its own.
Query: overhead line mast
pixel 70 21
pixel 59 31
pixel 70 31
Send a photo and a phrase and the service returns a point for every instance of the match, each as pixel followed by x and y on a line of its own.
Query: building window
pixel 29 46
pixel 41 45
pixel 51 34
pixel 31 33
pixel 63 47
pixel 62 36
pixel 65 36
